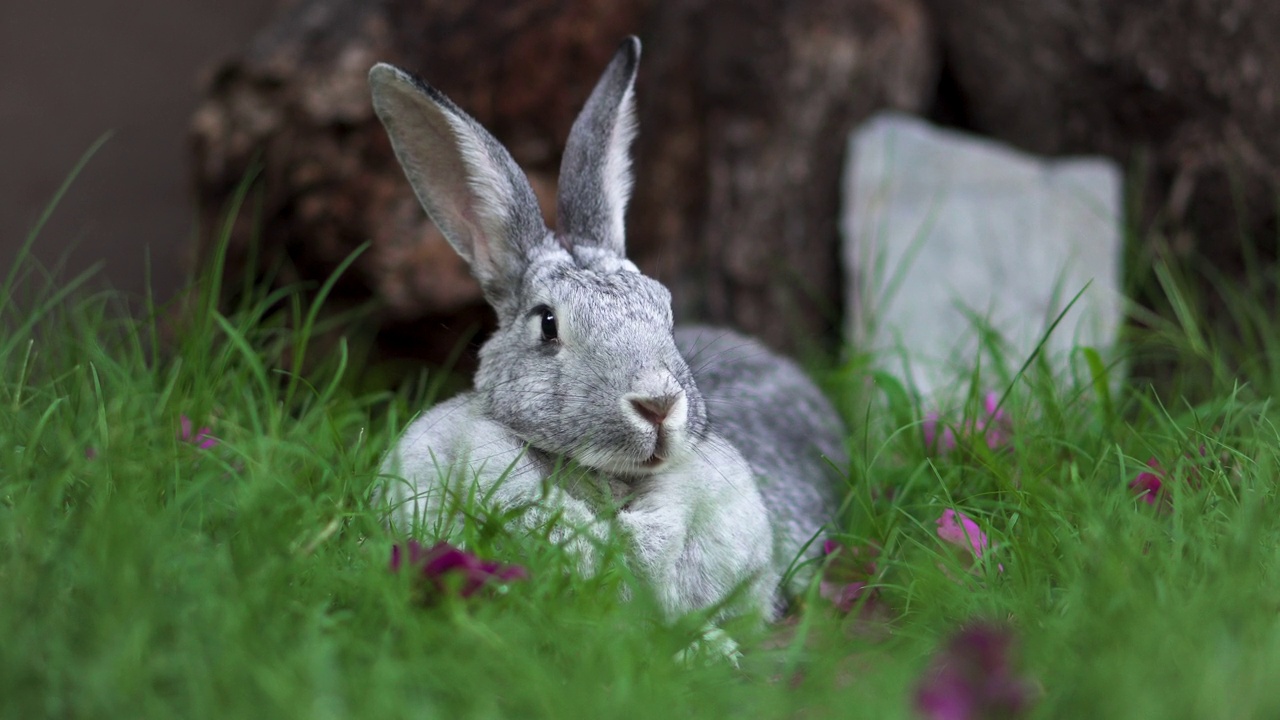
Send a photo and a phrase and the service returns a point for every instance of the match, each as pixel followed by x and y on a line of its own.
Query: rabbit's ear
pixel 466 181
pixel 595 172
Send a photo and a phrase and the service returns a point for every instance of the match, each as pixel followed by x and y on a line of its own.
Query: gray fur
pixel 702 448
pixel 788 431
pixel 595 171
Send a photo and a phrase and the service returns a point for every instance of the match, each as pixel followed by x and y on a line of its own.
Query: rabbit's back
pixel 778 419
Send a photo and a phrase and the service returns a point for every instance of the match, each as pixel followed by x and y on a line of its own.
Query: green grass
pixel 143 576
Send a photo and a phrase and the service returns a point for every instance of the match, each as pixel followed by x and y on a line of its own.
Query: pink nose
pixel 654 409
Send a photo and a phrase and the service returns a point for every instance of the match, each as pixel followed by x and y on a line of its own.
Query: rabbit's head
pixel 583 363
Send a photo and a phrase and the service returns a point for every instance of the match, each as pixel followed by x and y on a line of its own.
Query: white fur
pixel 453 454
pixel 491 190
pixel 617 163
pixel 697 530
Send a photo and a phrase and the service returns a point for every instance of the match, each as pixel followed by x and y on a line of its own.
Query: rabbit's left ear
pixel 595 172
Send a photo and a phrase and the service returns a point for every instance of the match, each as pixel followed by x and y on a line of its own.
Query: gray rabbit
pixel 709 454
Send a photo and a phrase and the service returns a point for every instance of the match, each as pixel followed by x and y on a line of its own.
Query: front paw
pixel 712 646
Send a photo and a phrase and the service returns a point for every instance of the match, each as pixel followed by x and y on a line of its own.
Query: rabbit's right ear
pixel 466 181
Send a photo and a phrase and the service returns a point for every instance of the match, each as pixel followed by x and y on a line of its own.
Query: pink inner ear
pixel 481 256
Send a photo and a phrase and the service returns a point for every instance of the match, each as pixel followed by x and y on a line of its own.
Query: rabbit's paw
pixel 714 645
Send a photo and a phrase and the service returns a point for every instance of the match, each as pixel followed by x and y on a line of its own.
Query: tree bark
pixel 744 111
pixel 745 125
pixel 1183 92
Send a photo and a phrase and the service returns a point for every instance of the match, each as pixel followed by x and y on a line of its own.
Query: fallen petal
pixel 991 403
pixel 1149 484
pixel 843 596
pixel 956 528
pixel 442 561
pixel 973 677
pixel 946 695
pixel 202 438
pixel 992 423
pixel 940 443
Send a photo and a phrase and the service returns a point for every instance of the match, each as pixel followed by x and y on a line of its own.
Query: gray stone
pixel 946 233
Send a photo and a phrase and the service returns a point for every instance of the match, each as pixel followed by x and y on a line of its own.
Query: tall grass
pixel 144 575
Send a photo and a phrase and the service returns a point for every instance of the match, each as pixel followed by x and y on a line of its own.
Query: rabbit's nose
pixel 655 409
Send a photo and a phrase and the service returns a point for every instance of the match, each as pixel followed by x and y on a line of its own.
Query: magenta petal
pixel 963 534
pixel 444 557
pixel 996 439
pixel 997 433
pixel 986 647
pixel 411 548
pixel 443 560
pixel 412 553
pixel 991 422
pixel 844 596
pixel 1149 484
pixel 847 574
pixel 990 403
pixel 202 438
pixel 946 696
pixel 512 572
pixel 996 425
pixel 418 553
pixel 941 443
pixel 973 677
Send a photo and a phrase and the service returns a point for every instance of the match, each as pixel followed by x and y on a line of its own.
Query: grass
pixel 144 576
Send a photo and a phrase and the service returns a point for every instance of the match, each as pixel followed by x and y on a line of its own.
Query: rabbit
pixel 591 414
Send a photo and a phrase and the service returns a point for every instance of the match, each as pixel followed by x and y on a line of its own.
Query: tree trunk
pixel 744 111
pixel 1183 90
pixel 746 118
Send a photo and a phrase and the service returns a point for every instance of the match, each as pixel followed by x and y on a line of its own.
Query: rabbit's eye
pixel 549 330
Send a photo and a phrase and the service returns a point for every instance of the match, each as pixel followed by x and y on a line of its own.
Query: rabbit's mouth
pixel 661 450
pixel 641 457
pixel 637 468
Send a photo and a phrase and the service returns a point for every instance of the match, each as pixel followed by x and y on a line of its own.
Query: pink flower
pixel 994 426
pixel 202 438
pixel 442 561
pixel 847 575
pixel 964 534
pixel 973 678
pixel 1149 484
pixel 957 529
pixel 942 443
pixel 998 427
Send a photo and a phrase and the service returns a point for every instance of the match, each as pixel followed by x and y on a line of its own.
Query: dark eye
pixel 549 330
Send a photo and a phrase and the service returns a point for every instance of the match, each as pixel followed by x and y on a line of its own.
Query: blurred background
pixel 745 112
pixel 71 70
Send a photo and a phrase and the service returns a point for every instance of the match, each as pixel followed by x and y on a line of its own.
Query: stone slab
pixel 945 233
